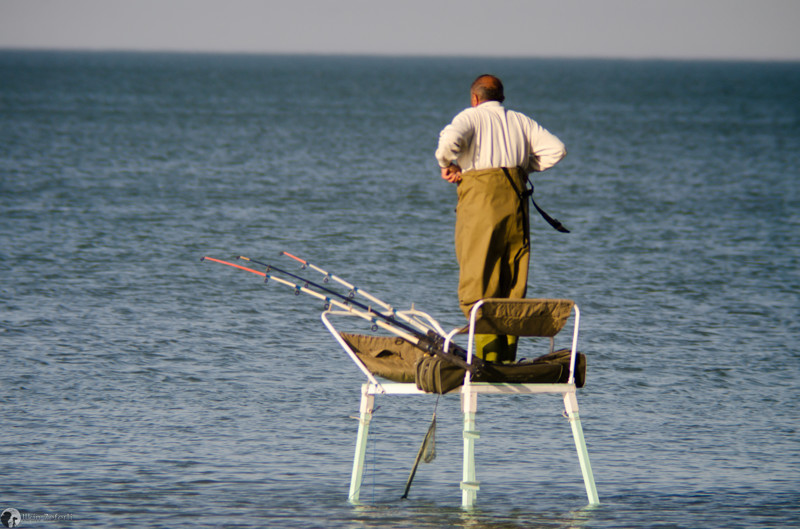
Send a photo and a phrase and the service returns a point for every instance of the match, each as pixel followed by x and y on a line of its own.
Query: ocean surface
pixel 143 387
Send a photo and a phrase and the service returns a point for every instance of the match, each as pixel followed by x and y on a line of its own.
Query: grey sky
pixel 694 29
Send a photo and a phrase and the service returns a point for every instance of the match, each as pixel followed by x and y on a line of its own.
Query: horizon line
pixel 396 55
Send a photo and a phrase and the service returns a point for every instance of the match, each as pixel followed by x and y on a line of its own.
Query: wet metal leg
pixel 365 416
pixel 469 483
pixel 571 406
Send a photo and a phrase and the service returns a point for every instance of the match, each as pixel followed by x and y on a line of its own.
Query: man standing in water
pixel 489 152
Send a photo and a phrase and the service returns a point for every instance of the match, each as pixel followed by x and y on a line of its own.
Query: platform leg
pixel 365 416
pixel 571 406
pixel 469 483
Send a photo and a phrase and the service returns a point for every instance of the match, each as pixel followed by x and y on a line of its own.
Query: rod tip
pixel 290 256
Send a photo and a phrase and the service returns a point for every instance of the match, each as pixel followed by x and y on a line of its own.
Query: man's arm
pixel 546 149
pixel 452 140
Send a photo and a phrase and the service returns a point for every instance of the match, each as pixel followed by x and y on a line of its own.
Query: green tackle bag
pixel 434 374
pixel 437 375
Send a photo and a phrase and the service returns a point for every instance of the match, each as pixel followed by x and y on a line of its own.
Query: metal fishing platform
pixel 520 317
pixel 422 334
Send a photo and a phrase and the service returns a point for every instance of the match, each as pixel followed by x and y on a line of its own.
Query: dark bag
pixel 436 375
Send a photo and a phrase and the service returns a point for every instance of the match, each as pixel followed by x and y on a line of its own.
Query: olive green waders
pixel 492 242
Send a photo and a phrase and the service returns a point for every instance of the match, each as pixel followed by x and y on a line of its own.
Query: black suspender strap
pixel 528 192
pixel 550 220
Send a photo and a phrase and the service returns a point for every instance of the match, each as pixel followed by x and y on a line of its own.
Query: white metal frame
pixel 469 405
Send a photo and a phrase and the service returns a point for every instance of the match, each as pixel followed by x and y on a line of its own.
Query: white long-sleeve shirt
pixel 488 136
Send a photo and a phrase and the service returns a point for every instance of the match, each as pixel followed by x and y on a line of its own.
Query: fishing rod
pixel 431 342
pixel 356 290
pixel 270 267
pixel 347 299
pixel 298 288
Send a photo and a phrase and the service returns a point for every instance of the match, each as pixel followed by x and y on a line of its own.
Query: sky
pixel 634 29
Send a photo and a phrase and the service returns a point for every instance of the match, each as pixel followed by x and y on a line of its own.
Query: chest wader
pixel 492 240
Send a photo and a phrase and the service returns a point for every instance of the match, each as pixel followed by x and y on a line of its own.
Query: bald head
pixel 487 88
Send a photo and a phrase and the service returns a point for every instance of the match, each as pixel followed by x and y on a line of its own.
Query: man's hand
pixel 452 173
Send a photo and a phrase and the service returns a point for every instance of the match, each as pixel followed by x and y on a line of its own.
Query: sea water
pixel 141 386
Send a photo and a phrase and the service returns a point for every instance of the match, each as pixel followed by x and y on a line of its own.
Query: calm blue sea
pixel 141 386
